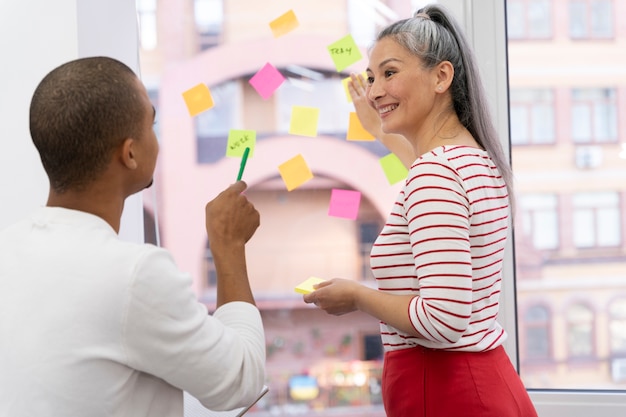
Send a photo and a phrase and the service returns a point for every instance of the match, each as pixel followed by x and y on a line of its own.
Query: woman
pixel 438 260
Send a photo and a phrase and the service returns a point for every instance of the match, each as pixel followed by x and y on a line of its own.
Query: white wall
pixel 35 37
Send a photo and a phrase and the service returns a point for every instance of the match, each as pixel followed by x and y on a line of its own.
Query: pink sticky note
pixel 267 80
pixel 344 203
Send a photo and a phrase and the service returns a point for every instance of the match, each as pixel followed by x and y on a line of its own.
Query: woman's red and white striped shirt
pixel 444 242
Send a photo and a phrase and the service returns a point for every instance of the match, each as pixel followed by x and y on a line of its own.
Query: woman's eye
pixel 370 80
pixel 389 73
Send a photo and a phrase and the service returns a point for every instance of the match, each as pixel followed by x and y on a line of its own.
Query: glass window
pixel 532 116
pixel 596 219
pixel 317 93
pixel 591 19
pixel 594 115
pixel 212 126
pixel 208 16
pixel 537 333
pixel 580 331
pixel 617 327
pixel 568 239
pixel 146 11
pixel 529 19
pixel 540 220
pixel 340 353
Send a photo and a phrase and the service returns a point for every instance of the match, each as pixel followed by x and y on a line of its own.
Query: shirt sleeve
pixel 219 358
pixel 437 212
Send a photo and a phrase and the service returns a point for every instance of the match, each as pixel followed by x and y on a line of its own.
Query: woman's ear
pixel 444 73
pixel 127 156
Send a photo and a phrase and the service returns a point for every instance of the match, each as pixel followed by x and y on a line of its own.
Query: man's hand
pixel 230 218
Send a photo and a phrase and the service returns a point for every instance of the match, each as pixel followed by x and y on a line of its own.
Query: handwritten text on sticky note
pixel 239 140
pixel 344 52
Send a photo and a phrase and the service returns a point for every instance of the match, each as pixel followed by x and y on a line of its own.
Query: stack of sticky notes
pixel 307 286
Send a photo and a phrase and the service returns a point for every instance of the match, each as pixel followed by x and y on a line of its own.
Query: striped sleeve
pixel 437 211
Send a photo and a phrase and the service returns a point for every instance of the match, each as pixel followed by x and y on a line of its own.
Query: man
pixel 95 326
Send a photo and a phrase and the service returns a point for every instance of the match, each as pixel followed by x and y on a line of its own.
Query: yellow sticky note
pixel 284 24
pixel 395 171
pixel 307 286
pixel 304 121
pixel 344 52
pixel 198 99
pixel 356 131
pixel 344 82
pixel 295 172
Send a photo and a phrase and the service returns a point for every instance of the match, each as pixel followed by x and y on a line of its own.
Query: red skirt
pixel 422 382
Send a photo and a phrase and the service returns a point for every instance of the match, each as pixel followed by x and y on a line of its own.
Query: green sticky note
pixel 394 170
pixel 239 140
pixel 344 52
pixel 304 121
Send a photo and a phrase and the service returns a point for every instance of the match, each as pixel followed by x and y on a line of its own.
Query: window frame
pixel 485 26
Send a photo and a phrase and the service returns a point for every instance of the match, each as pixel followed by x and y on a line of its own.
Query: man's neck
pixel 103 205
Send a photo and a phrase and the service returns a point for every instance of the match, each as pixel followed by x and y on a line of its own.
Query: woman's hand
pixel 336 296
pixel 370 120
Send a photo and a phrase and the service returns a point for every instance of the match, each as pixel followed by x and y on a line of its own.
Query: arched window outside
pixel 580 331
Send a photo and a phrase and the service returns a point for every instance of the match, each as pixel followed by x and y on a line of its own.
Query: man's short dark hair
pixel 79 113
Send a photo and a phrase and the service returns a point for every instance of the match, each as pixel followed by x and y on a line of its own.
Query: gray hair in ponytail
pixel 434 36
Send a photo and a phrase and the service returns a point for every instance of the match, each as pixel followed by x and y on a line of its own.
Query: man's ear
pixel 127 156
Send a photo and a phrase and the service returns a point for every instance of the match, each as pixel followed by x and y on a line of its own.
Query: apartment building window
pixel 580 331
pixel 540 220
pixel 529 19
pixel 209 17
pixel 596 219
pixel 532 116
pixel 591 19
pixel 594 115
pixel 617 326
pixel 314 89
pixel 366 18
pixel 212 126
pixel 537 331
pixel 147 16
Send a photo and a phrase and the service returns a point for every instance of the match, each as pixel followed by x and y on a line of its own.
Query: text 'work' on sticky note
pixel 356 131
pixel 306 286
pixel 394 170
pixel 295 172
pixel 344 52
pixel 239 140
pixel 284 24
pixel 198 99
pixel 344 203
pixel 267 80
pixel 304 121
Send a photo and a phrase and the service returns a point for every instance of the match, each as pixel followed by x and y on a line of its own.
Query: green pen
pixel 244 159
